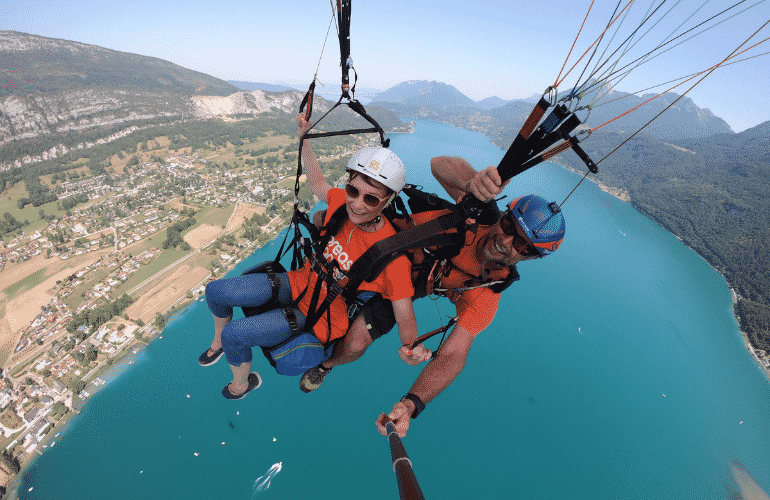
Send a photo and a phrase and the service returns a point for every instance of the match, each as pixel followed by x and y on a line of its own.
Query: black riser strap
pixel 526 130
pixel 342 132
pixel 583 155
pixel 513 166
pixel 343 17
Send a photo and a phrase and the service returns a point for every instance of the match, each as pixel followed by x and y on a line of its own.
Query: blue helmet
pixel 542 221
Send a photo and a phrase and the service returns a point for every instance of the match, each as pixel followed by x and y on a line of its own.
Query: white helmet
pixel 382 165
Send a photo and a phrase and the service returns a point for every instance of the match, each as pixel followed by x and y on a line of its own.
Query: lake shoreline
pixel 624 196
pixel 120 364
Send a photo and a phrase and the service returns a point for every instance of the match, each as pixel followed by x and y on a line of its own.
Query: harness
pixel 431 264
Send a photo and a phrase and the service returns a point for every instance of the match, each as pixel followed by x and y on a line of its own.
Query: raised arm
pixel 314 176
pixel 434 378
pixel 458 177
pixel 407 331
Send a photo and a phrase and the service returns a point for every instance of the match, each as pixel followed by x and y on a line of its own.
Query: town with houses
pixel 113 255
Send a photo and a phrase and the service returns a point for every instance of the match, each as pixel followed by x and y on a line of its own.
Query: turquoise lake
pixel 614 369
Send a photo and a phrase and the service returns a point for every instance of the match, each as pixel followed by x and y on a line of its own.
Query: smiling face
pixel 359 211
pixel 500 247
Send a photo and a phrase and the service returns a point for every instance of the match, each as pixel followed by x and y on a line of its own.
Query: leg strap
pixel 274 281
pixel 292 320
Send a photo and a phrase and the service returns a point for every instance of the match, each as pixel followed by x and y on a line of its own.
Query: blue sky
pixel 506 48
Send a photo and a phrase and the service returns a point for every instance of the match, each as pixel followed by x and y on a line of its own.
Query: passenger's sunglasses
pixel 520 244
pixel 369 199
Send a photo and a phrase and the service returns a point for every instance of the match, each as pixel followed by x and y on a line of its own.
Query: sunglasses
pixel 369 199
pixel 522 246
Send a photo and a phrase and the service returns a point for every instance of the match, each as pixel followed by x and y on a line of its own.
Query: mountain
pixel 269 87
pixel 58 95
pixel 683 120
pixel 32 64
pixel 419 95
pixel 491 103
pixel 442 102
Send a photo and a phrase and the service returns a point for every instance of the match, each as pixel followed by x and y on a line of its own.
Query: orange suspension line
pixel 558 82
pixel 709 70
pixel 691 74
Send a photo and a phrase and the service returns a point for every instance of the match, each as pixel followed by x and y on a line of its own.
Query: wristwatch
pixel 419 406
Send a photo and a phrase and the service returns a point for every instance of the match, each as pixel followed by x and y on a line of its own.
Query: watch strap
pixel 419 406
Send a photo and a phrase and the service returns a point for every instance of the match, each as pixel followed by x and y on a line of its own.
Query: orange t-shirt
pixel 346 246
pixel 476 308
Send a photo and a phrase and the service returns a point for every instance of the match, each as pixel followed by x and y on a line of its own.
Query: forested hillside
pixel 713 193
pixel 31 64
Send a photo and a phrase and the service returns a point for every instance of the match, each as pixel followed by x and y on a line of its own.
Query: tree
pixel 91 353
pixel 10 462
pixel 159 321
pixel 77 386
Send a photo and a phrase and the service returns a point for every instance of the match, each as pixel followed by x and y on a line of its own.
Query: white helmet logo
pixel 374 165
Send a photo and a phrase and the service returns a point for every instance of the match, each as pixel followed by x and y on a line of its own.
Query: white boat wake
pixel 262 483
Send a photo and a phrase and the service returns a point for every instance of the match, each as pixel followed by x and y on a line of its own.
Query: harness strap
pixel 275 283
pixel 291 318
pixel 308 99
pixel 324 269
pixel 373 261
pixel 343 17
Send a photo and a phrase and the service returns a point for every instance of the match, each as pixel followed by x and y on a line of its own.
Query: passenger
pixel 376 175
pixel 529 229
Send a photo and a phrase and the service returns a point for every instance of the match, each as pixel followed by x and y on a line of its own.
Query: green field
pixel 16 371
pixel 74 299
pixel 287 183
pixel 213 215
pixel 8 204
pixel 165 258
pixel 206 215
pixel 28 282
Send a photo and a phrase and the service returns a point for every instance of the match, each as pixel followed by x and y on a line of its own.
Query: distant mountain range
pixel 495 116
pixel 59 94
pixel 268 87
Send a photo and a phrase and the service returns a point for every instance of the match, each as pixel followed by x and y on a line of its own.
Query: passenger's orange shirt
pixel 346 246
